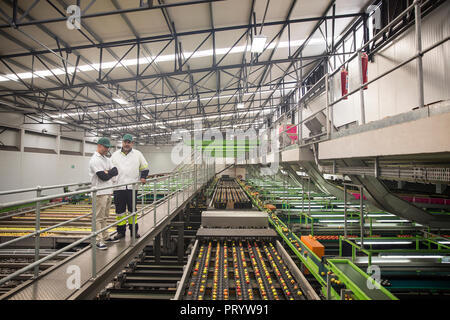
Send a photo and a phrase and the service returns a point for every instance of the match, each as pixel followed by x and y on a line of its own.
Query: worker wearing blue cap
pixel 132 167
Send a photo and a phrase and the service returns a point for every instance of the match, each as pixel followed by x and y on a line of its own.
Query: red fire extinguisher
pixel 364 64
pixel 344 82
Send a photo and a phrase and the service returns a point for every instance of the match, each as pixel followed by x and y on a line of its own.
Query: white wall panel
pixel 23 170
pixel 397 92
pixel 39 141
pixel 71 145
pixel 90 148
pixel 10 137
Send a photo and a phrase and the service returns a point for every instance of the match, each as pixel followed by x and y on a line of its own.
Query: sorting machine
pixel 236 256
pixel 413 262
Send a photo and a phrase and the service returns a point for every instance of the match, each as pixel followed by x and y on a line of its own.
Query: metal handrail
pixel 19 202
pixel 74 219
pixel 203 175
pixel 6 192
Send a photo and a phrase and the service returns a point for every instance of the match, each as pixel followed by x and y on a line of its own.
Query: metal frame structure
pixel 78 100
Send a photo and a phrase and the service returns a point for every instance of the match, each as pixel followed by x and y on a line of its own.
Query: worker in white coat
pixel 102 171
pixel 132 167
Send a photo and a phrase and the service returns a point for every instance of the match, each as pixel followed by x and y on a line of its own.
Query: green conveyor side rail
pixel 357 280
pixel 353 277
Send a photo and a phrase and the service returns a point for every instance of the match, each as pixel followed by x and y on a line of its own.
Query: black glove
pixel 103 176
pixel 113 172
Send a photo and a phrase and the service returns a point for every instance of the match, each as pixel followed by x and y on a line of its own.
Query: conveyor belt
pixel 240 270
pixel 24 224
pixel 229 195
pixel 353 276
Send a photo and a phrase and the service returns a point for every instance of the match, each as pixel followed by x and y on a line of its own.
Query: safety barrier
pixel 187 180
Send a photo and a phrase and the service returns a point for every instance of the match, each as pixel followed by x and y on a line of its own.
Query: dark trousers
pixel 123 200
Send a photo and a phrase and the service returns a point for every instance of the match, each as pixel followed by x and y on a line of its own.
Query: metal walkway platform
pixel 55 283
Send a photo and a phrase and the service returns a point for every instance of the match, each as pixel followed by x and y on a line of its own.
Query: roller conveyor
pixel 229 195
pixel 242 270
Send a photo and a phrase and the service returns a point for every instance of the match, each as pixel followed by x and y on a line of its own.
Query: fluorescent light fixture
pixel 385 242
pixel 412 256
pixel 379 215
pixel 120 100
pixel 399 220
pixel 327 215
pixel 331 221
pixel 161 126
pixel 258 44
pixel 146 116
pixel 161 58
pixel 380 260
pixel 444 242
pixel 240 105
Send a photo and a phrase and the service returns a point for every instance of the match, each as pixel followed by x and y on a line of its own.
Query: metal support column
pixel 166 239
pixel 418 31
pixel 180 243
pixel 157 248
pixel 361 90
pixel 177 184
pixel 327 104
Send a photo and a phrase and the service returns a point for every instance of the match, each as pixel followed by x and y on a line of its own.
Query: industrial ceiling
pixel 150 67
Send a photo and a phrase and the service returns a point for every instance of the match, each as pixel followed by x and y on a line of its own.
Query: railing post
pixel 37 240
pixel 361 90
pixel 177 183
pixel 154 203
pixel 183 178
pixel 93 237
pixel 133 213
pixel 142 195
pixel 361 215
pixel 195 177
pixel 168 193
pixel 418 31
pixel 328 286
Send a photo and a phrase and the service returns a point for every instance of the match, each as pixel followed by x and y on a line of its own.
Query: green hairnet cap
pixel 104 142
pixel 128 137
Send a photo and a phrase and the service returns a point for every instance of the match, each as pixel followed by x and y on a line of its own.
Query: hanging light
pixel 120 100
pixel 258 44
